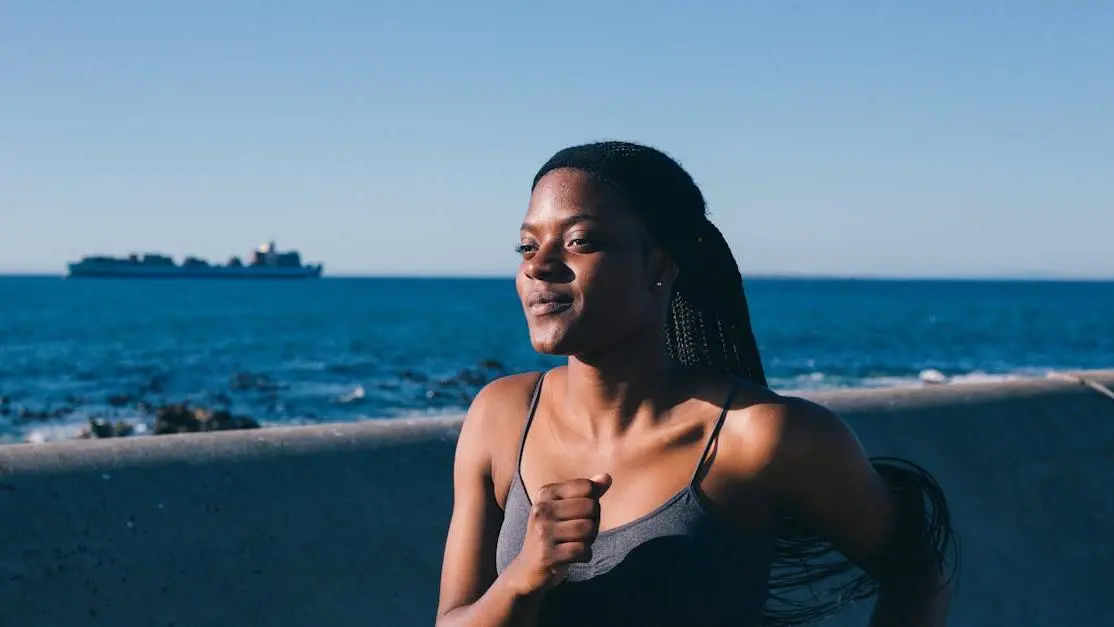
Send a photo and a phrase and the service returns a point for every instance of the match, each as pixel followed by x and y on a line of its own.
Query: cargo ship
pixel 267 262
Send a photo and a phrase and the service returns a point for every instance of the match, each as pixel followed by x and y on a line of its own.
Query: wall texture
pixel 343 525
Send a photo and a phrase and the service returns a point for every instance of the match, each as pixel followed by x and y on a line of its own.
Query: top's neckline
pixel 688 490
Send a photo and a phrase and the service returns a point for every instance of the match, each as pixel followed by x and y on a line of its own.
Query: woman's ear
pixel 666 278
pixel 665 271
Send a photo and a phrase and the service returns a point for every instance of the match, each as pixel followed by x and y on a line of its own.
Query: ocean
pixel 347 349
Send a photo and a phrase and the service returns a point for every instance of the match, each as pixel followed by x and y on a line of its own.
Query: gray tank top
pixel 677 565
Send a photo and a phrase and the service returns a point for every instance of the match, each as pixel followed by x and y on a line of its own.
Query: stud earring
pixel 658 284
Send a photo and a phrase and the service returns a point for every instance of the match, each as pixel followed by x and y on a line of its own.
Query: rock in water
pixel 181 418
pixel 100 428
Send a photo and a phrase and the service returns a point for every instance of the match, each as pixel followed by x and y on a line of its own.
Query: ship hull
pixel 138 271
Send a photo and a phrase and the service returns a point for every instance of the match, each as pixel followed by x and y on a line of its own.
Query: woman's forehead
pixel 568 196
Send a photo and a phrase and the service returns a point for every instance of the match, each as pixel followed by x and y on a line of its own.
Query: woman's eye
pixel 581 243
pixel 524 248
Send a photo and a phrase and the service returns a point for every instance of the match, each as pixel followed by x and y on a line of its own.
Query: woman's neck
pixel 607 394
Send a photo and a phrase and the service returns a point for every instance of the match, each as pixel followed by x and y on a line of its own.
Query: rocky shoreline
pixel 147 410
pixel 173 418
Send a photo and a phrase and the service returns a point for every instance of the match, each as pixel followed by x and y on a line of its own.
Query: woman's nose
pixel 548 263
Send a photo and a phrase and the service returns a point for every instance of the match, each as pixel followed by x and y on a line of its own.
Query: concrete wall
pixel 343 525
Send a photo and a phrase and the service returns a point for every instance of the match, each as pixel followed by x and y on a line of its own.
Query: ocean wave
pixel 54 412
pixel 816 381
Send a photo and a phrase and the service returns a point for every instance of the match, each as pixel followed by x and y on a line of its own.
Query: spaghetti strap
pixel 712 438
pixel 529 418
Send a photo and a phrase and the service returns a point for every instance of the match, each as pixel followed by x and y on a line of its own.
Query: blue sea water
pixel 353 349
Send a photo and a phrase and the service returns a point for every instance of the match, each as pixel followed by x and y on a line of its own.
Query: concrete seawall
pixel 343 525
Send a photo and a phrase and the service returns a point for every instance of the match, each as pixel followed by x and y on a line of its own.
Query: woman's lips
pixel 548 303
pixel 549 308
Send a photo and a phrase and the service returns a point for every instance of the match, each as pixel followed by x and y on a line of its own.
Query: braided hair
pixel 708 327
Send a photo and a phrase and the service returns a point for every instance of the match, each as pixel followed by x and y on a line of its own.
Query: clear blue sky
pixel 847 138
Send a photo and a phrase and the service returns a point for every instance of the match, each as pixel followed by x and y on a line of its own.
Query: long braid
pixel 708 326
pixel 712 326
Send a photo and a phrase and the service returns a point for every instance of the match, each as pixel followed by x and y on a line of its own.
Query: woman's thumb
pixel 602 482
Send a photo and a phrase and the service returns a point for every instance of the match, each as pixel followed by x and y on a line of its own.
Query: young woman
pixel 654 479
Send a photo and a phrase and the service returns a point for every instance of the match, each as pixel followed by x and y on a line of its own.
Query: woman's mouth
pixel 548 303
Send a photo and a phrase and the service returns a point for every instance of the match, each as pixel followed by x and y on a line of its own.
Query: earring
pixel 658 284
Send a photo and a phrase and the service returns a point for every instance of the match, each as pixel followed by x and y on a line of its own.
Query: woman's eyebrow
pixel 566 223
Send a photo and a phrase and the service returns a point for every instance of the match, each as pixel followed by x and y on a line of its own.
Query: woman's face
pixel 588 277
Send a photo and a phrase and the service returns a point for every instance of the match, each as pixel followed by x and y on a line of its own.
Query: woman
pixel 654 479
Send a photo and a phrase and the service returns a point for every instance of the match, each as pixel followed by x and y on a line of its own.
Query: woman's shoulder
pixel 494 423
pixel 780 437
pixel 504 400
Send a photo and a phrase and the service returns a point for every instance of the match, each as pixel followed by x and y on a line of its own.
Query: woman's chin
pixel 550 342
pixel 550 348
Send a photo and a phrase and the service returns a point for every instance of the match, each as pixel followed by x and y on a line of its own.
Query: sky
pixel 845 138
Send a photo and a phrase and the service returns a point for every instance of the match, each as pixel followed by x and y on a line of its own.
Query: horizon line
pixel 766 276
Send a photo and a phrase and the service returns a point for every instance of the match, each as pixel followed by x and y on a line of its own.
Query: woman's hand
pixel 563 524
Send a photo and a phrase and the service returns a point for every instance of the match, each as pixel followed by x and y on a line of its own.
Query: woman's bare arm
pixel 822 474
pixel 471 593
